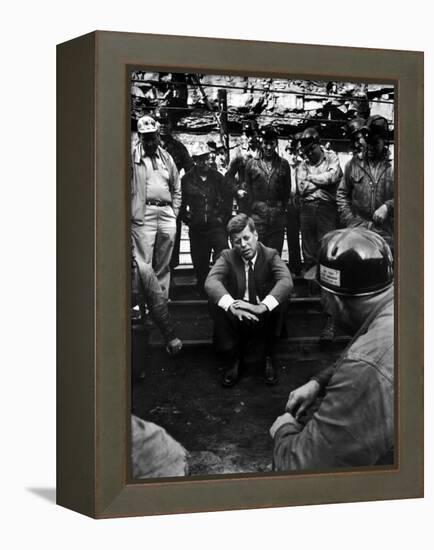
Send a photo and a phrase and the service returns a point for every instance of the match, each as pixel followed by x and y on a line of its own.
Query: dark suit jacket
pixel 227 276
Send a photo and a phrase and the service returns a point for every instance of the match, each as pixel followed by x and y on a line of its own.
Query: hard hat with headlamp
pixel 378 126
pixel 268 133
pixel 250 128
pixel 355 126
pixel 309 138
pixel 354 262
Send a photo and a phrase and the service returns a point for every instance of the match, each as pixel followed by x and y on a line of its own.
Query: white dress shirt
pixel 226 300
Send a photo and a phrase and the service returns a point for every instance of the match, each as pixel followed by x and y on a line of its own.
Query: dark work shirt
pixel 204 201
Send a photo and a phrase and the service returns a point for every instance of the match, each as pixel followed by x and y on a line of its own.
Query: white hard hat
pixel 146 125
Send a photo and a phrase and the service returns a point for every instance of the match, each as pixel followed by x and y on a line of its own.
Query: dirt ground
pixel 225 430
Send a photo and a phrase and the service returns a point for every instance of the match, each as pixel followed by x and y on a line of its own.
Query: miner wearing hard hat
pixel 268 186
pixel 179 152
pixel 365 196
pixel 248 148
pixel 206 209
pixel 156 200
pixel 318 176
pixel 344 417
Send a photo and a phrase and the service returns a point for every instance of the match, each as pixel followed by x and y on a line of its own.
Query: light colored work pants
pixel 154 241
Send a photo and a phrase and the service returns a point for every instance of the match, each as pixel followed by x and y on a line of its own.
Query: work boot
pixel 328 333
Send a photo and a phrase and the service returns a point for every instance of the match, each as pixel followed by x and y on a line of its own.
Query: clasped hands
pixel 245 311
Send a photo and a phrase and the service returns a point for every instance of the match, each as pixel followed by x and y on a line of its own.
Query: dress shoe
pixel 270 373
pixel 231 376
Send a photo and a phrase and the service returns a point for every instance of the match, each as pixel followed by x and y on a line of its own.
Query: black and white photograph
pixel 262 275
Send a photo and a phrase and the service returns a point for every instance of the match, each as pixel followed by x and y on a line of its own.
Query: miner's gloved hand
pixel 174 346
pixel 302 398
pixel 380 214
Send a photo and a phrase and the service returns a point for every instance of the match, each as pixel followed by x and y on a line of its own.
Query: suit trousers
pixel 247 340
pixel 153 242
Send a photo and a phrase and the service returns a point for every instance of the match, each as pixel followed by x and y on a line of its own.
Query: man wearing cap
pixel 268 186
pixel 178 151
pixel 248 288
pixel 205 209
pixel 365 196
pixel 235 177
pixel 344 417
pixel 156 199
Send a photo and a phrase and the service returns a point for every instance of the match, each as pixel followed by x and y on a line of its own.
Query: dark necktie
pixel 251 284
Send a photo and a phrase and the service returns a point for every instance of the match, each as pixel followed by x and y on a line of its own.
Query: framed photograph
pixel 240 274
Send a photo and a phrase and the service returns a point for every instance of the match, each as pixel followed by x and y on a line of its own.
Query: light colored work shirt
pixel 324 178
pixel 157 181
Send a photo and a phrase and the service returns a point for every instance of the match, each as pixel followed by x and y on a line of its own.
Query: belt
pixel 158 203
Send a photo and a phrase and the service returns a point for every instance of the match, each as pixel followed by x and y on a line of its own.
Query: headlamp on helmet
pixel 356 126
pixel 269 133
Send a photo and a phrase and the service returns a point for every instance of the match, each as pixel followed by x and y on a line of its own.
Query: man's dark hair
pixel 238 223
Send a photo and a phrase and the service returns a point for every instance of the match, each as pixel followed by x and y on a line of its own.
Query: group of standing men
pixel 310 194
pixel 248 286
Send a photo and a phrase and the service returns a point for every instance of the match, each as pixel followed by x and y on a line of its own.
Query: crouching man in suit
pixel 248 288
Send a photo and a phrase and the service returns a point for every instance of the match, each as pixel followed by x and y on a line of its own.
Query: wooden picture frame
pixel 93 274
